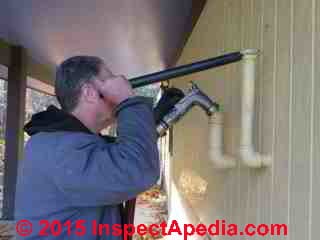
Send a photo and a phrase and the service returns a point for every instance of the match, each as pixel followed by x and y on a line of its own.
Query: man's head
pixel 77 92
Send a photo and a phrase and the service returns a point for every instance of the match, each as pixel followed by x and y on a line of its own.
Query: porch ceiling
pixel 133 37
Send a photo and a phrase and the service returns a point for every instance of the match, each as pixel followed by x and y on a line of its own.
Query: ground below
pixel 151 208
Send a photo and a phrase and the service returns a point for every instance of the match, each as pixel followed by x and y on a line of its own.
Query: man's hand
pixel 167 101
pixel 115 89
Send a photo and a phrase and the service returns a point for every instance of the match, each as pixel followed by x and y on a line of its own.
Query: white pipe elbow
pixel 253 159
pixel 216 154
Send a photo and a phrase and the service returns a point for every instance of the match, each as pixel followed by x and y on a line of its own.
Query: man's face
pixel 104 108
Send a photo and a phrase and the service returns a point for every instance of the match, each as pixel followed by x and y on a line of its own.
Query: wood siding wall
pixel 286 120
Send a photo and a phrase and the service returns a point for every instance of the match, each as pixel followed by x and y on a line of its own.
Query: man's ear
pixel 88 94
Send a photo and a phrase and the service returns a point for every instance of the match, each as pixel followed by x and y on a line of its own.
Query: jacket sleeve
pixel 110 173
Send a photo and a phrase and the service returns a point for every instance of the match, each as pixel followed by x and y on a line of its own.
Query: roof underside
pixel 133 37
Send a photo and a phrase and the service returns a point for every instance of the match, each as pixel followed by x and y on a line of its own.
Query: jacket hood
pixel 53 120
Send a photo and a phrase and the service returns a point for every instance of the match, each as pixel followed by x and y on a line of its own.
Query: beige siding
pixel 282 111
pixel 286 119
pixel 315 218
pixel 301 116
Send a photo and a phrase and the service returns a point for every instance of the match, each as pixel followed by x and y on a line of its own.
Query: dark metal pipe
pixel 185 69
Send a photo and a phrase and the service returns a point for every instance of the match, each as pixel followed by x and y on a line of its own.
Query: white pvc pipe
pixel 216 154
pixel 248 155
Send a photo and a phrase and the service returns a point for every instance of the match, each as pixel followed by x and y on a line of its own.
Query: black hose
pixel 185 69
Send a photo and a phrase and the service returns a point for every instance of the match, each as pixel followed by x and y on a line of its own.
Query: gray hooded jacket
pixel 76 177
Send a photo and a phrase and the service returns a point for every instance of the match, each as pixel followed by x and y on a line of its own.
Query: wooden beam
pixel 17 84
pixel 40 72
pixel 40 86
pixel 35 70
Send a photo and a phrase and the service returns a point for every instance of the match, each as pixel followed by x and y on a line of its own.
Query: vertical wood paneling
pixel 232 112
pixel 286 121
pixel 316 128
pixel 235 109
pixel 244 172
pixel 267 114
pixel 302 80
pixel 258 96
pixel 282 109
pixel 220 86
pixel 227 86
pixel 253 203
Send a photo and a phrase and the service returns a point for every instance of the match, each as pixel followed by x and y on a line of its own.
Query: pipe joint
pixel 216 154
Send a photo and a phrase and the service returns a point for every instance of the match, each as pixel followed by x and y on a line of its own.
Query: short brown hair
pixel 70 77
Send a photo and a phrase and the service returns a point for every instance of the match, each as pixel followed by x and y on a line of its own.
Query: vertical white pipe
pixel 248 156
pixel 216 155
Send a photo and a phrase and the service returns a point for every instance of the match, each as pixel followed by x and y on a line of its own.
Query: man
pixel 69 171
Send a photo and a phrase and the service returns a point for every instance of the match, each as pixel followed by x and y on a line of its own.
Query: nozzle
pixel 194 97
pixel 197 97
